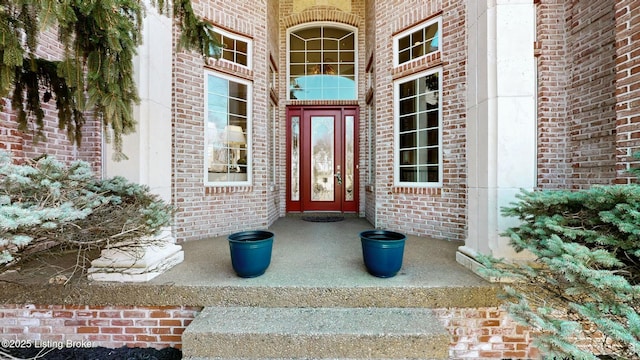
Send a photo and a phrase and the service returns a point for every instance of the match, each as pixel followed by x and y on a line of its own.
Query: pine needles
pixel 582 293
pixel 96 73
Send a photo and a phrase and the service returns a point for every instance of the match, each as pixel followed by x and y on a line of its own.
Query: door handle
pixel 339 176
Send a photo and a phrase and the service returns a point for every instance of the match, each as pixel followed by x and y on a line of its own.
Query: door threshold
pixel 322 213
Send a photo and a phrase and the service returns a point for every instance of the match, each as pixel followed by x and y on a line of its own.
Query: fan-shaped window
pixel 322 63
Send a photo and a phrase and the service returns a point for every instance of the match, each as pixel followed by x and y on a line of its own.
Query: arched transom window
pixel 322 63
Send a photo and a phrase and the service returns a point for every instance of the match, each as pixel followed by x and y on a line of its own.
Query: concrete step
pixel 315 333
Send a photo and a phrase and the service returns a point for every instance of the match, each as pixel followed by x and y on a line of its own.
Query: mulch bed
pixel 94 353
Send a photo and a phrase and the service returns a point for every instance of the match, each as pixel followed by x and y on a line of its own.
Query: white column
pixel 149 153
pixel 501 120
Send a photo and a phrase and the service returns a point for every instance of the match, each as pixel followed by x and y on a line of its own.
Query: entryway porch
pixel 316 300
pixel 329 255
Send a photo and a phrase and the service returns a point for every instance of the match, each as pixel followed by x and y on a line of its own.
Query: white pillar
pixel 149 153
pixel 501 120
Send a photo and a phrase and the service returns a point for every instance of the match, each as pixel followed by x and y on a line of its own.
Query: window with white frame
pixel 322 62
pixel 228 130
pixel 416 42
pixel 418 149
pixel 235 49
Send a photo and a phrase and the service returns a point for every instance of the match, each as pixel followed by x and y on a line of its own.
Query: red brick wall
pixel 627 59
pixel 107 326
pixel 553 80
pixel 576 98
pixel 57 143
pixel 485 333
pixel 439 212
pixel 591 100
pixel 209 211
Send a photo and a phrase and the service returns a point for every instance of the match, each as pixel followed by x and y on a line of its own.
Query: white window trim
pixel 396 131
pixel 396 39
pixel 273 144
pixel 316 24
pixel 241 38
pixel 249 145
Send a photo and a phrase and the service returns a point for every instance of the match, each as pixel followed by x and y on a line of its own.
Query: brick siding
pixel 627 59
pixel 485 333
pixel 553 80
pixel 441 212
pixel 57 143
pixel 591 97
pixel 108 326
pixel 209 211
pixel 576 93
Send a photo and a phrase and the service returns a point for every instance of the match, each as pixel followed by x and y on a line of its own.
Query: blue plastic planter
pixel 382 251
pixel 250 252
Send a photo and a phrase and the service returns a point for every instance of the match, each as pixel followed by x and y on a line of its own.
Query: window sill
pixel 419 190
pixel 227 183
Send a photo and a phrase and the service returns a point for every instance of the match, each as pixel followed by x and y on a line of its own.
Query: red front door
pixel 322 159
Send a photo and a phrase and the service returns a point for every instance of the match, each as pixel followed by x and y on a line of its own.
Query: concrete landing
pixel 327 333
pixel 313 265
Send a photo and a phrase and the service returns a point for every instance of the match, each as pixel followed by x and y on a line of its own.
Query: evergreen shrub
pixel 581 294
pixel 47 205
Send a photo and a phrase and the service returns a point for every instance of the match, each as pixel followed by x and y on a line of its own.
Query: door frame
pixel 297 205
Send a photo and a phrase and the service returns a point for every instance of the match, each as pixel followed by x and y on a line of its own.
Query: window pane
pixel 228 55
pixel 237 107
pixel 314 45
pixel 432 118
pixel 432 137
pixel 418 126
pixel 241 47
pixel 408 106
pixel 296 43
pixel 226 133
pixel 407 123
pixel 241 59
pixel 335 33
pixel 237 90
pixel 314 56
pixel 233 49
pixel 347 42
pixel 432 37
pixel 433 175
pixel 309 33
pixel 330 44
pixel 298 70
pixel 418 43
pixel 329 58
pixel 347 56
pixel 432 156
pixel 404 42
pixel 407 89
pixel 407 140
pixel 346 71
pixel 417 37
pixel 408 174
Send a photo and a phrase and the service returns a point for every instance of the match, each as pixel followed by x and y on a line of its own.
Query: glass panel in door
pixel 322 158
